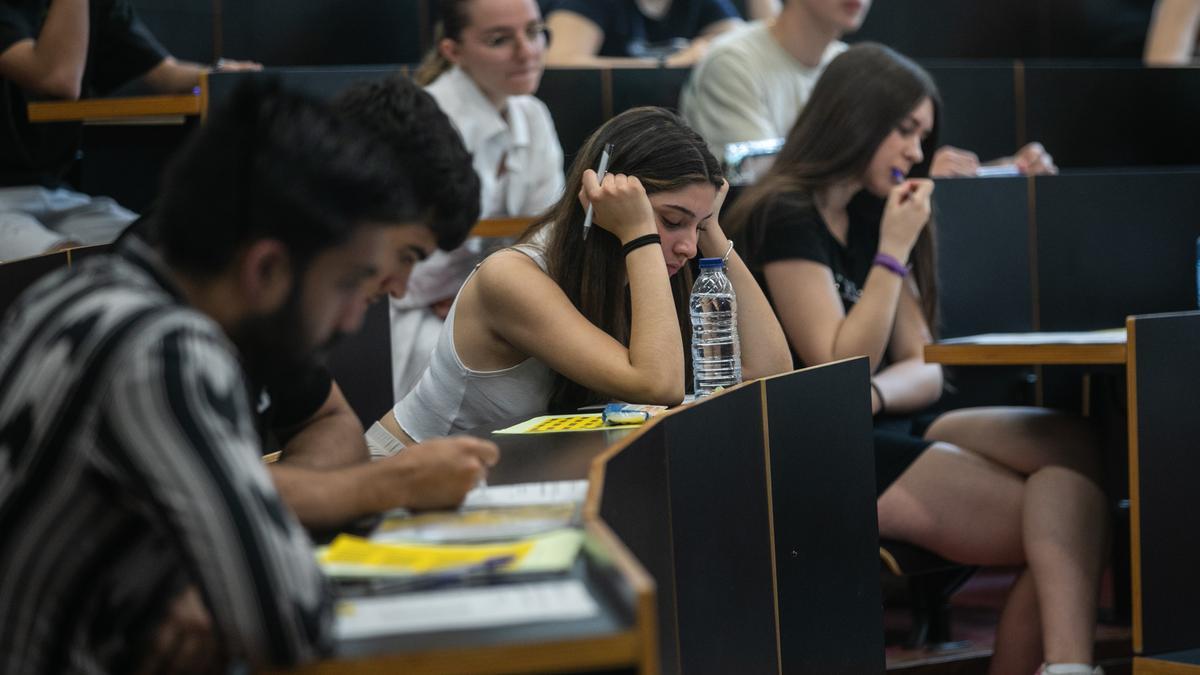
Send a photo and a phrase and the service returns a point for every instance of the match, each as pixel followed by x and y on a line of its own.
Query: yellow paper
pixel 556 423
pixel 350 556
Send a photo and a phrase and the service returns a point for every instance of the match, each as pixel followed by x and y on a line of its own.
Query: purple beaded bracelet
pixel 891 263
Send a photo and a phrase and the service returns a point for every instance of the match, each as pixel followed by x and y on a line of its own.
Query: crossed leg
pixel 1023 494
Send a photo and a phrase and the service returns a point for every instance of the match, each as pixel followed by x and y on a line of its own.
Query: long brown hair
pixel 861 97
pixel 451 20
pixel 657 147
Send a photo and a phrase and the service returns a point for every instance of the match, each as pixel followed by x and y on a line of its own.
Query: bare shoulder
pixel 507 277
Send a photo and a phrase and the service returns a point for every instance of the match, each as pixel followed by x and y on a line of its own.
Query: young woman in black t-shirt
pixel 840 233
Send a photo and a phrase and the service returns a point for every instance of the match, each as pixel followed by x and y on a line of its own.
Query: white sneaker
pixel 1069 669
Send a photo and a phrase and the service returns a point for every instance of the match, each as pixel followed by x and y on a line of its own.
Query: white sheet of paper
pixel 464 608
pixel 527 494
pixel 1106 337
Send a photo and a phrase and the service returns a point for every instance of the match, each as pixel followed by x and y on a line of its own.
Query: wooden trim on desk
pixel 131 108
pixel 960 354
pixel 766 442
pixel 203 96
pixel 610 652
pixel 1149 666
pixel 1135 531
pixel 501 227
pixel 646 626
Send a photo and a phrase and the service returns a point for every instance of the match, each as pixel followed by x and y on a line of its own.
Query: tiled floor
pixel 975 610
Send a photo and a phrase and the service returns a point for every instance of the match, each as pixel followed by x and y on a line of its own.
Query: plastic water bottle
pixel 716 351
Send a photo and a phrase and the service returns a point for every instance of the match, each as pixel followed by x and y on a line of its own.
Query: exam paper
pixel 466 608
pixel 1115 336
pixel 527 494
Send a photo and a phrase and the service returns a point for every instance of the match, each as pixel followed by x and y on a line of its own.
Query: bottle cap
pixel 711 263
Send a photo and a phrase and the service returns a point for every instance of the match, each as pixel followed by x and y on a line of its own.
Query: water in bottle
pixel 716 351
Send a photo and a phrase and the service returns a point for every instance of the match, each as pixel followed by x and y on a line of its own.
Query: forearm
pixel 59 54
pixel 1172 36
pixel 655 345
pixel 909 385
pixel 764 346
pixel 323 500
pixel 171 76
pixel 329 444
pixel 867 327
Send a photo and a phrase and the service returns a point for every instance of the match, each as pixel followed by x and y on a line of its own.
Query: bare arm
pixel 813 318
pixel 54 62
pixel 332 437
pixel 758 10
pixel 909 383
pixel 521 306
pixel 435 474
pixel 1172 37
pixel 764 347
pixel 172 76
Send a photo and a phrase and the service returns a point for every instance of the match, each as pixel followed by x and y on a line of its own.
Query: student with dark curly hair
pixel 142 531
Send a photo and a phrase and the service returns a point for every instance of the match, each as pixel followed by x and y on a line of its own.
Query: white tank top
pixel 451 398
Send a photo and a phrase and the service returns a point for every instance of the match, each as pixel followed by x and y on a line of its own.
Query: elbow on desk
pixel 61 84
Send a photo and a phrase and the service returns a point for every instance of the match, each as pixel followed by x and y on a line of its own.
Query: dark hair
pixel 408 120
pixel 275 164
pixel 861 97
pixel 657 147
pixel 449 23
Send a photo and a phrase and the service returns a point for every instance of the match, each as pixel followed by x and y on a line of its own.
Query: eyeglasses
pixel 535 33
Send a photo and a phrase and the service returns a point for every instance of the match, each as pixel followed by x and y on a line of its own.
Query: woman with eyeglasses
pixel 486 62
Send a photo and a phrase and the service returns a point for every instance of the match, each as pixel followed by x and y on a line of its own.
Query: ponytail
pixel 434 64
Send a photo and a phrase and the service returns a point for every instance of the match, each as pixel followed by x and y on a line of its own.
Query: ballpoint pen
pixel 587 220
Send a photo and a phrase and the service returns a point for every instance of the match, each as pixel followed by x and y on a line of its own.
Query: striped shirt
pixel 129 468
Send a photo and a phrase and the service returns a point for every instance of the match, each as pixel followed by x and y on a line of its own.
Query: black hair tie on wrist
pixel 644 240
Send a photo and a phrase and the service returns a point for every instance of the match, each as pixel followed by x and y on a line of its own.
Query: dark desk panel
pixel 633 87
pixel 185 27
pixel 1112 245
pixel 324 82
pixel 1010 28
pixel 318 32
pixel 984 279
pixel 979 105
pixel 1109 115
pixel 822 468
pixel 720 522
pixel 754 510
pixel 576 99
pixel 1164 366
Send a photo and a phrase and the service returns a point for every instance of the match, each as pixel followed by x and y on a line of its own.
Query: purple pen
pixel 897 176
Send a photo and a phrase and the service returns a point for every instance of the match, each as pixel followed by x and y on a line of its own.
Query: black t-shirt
pixel 120 48
pixel 283 405
pixel 624 24
pixel 789 227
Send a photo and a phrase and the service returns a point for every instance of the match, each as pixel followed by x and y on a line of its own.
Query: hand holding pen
pixel 587 221
pixel 620 205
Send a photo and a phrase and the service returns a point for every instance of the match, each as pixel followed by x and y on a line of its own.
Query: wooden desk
pixel 1022 351
pixel 621 638
pixel 1161 360
pixel 127 110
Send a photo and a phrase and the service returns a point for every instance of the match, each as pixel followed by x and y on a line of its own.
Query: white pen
pixel 587 220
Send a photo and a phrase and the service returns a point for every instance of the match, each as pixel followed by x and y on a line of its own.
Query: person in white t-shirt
pixel 752 84
pixel 487 62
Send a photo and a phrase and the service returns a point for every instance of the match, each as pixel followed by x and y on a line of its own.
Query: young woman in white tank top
pixel 597 319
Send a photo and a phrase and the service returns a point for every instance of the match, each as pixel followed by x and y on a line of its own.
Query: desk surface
pixel 620 636
pixel 132 108
pixel 1030 349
